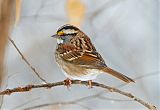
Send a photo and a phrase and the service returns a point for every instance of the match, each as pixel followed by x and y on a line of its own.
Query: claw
pixel 68 82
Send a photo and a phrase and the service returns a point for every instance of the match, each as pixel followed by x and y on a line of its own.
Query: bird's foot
pixel 68 82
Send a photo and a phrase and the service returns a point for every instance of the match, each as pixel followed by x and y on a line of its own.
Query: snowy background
pixel 125 32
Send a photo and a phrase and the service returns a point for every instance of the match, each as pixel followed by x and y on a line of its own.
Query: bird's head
pixel 65 33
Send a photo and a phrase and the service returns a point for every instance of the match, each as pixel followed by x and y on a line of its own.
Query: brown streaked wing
pixel 69 52
pixel 87 59
pixel 90 60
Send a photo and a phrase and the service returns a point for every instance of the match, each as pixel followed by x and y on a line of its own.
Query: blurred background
pixel 125 33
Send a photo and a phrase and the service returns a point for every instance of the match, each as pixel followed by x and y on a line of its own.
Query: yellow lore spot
pixel 60 33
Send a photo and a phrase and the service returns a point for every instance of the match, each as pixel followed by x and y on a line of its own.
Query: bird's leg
pixel 68 82
pixel 90 84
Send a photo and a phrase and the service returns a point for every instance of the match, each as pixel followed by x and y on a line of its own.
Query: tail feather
pixel 117 75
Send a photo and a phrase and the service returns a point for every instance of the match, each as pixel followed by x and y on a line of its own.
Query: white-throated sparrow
pixel 78 58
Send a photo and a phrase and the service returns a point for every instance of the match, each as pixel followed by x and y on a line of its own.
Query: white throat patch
pixel 59 41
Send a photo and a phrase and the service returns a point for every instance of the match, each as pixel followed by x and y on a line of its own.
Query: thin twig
pixel 26 61
pixel 50 85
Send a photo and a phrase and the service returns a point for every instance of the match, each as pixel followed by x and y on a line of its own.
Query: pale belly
pixel 90 75
pixel 75 72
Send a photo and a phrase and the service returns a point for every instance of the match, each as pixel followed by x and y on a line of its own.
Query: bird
pixel 78 58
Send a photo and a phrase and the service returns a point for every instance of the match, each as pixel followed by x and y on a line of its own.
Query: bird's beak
pixel 55 36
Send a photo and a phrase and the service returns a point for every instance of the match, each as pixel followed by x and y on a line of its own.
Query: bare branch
pixel 26 61
pixel 62 83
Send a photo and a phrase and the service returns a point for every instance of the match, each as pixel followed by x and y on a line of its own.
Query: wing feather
pixel 88 59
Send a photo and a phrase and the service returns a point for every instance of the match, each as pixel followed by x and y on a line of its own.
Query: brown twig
pixel 50 85
pixel 26 61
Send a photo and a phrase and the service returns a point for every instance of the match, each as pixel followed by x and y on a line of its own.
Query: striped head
pixel 66 33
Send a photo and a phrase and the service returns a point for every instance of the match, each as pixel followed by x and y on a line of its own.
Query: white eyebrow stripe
pixel 69 31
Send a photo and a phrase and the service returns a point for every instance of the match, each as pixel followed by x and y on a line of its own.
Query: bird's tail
pixel 117 75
